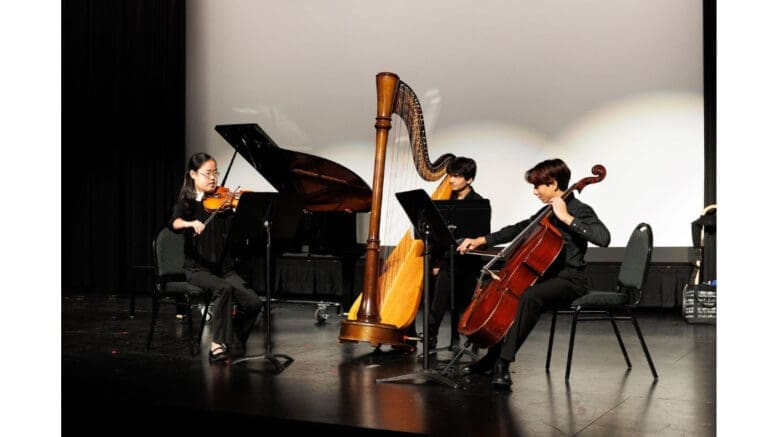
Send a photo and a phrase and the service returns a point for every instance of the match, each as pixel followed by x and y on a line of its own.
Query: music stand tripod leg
pixel 426 373
pixel 280 366
pixel 458 356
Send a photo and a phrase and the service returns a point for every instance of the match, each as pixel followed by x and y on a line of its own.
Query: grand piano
pixel 331 194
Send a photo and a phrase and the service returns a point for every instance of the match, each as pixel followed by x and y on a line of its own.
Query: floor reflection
pixel 109 378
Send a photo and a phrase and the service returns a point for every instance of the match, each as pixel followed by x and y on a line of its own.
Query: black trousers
pixel 227 289
pixel 465 280
pixel 547 293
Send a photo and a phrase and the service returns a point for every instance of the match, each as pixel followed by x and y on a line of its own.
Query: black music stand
pixel 430 225
pixel 263 210
pixel 454 346
pixel 465 218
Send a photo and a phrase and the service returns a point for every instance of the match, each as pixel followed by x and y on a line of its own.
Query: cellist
pixel 564 281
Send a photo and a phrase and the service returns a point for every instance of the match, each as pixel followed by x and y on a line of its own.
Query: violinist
pixel 565 279
pixel 208 261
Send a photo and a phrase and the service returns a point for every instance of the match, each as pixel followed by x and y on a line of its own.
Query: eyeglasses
pixel 213 174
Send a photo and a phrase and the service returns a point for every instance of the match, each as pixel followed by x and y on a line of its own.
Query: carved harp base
pixel 374 333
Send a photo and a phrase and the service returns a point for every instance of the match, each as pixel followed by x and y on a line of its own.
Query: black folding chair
pixel 602 305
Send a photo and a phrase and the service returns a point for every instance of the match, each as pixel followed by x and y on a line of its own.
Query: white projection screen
pixel 508 83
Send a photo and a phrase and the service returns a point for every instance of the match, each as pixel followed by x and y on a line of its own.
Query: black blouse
pixel 209 250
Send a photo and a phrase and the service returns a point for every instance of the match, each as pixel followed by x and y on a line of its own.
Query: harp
pixel 392 290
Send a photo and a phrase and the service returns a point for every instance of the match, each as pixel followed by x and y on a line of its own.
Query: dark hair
pixel 195 162
pixel 547 171
pixel 461 166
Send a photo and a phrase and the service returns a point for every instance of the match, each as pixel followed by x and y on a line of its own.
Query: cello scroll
pixel 597 170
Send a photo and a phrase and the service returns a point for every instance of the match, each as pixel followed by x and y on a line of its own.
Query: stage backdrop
pixel 612 82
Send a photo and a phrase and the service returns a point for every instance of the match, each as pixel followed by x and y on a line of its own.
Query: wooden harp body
pixel 392 290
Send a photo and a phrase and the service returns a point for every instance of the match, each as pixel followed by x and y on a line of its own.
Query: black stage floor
pixel 111 385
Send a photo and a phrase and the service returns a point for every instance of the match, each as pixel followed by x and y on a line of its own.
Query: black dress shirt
pixel 585 227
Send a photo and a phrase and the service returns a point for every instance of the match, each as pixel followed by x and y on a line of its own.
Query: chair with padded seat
pixel 611 306
pixel 171 286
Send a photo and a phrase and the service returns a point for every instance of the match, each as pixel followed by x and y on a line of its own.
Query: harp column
pixel 367 326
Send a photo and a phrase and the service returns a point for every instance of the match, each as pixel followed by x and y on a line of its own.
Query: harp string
pixel 402 176
pixel 408 159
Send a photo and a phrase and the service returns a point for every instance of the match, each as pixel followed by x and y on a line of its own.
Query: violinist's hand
pixel 560 209
pixel 470 243
pixel 197 226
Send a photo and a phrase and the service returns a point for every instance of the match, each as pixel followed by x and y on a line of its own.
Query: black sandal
pixel 218 354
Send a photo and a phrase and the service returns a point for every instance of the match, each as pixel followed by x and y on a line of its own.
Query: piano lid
pixel 324 184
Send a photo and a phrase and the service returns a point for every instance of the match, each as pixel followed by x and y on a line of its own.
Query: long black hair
pixel 195 162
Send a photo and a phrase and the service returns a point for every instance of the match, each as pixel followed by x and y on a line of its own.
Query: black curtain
pixel 709 254
pixel 710 101
pixel 123 135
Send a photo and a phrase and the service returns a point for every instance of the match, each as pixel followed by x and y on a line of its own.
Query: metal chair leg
pixel 550 340
pixel 644 346
pixel 620 341
pixel 571 343
pixel 154 314
pixel 191 325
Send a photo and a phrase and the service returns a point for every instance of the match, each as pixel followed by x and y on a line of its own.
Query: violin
pixel 221 200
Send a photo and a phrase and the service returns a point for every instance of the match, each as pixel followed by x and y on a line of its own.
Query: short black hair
pixel 462 166
pixel 546 171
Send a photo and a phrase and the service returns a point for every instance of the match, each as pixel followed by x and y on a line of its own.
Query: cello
pixel 497 295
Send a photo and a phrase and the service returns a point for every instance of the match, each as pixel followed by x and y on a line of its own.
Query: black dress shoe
pixel 501 378
pixel 218 354
pixel 483 366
